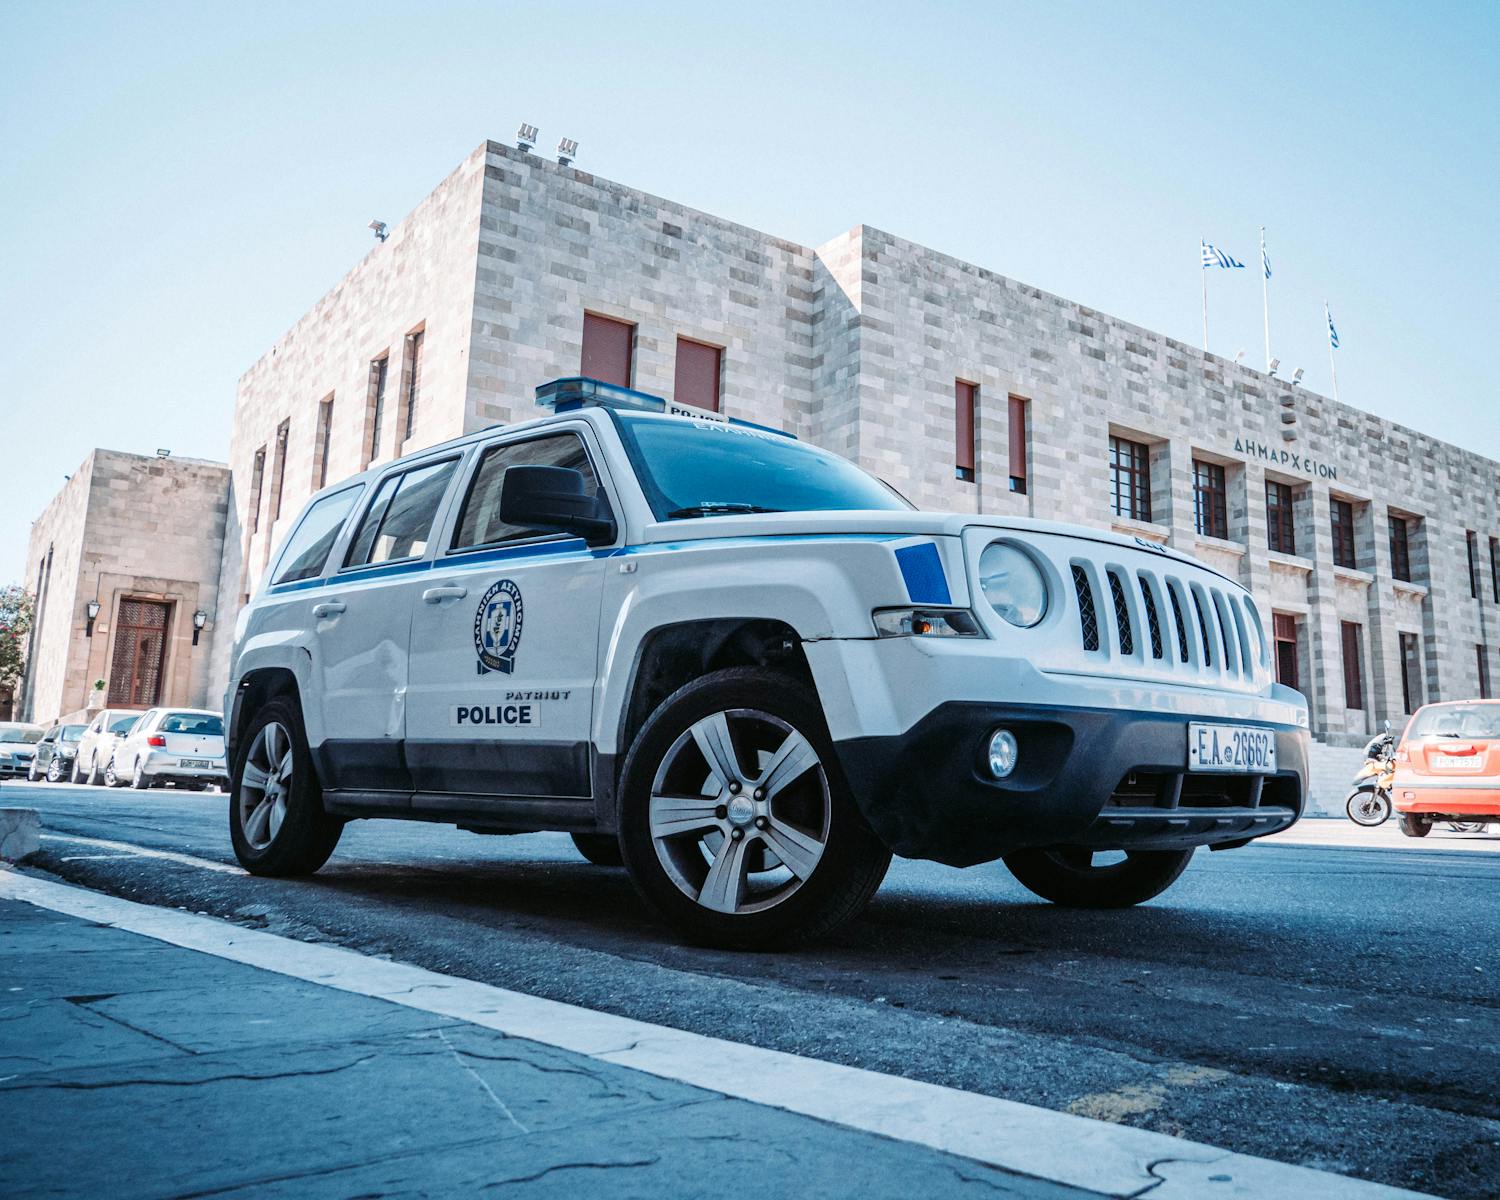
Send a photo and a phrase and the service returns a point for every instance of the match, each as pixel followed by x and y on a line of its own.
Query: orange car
pixel 1448 765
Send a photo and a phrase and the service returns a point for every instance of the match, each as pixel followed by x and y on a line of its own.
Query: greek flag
pixel 1214 257
pixel 1265 260
pixel 1333 334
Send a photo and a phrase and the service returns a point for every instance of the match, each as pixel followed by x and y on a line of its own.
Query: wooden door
pixel 135 675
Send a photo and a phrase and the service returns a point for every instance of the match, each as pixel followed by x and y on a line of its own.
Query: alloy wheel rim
pixel 740 811
pixel 265 784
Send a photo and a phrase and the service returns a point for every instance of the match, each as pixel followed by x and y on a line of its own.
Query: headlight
pixel 1013 584
pixel 925 622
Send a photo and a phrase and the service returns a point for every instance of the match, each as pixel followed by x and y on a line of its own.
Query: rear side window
pixel 398 522
pixel 202 724
pixel 122 724
pixel 307 549
pixel 479 524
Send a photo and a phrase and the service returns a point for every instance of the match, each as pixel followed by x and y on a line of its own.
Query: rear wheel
pixel 1073 876
pixel 736 822
pixel 32 774
pixel 1415 825
pixel 276 818
pixel 140 781
pixel 1368 808
pixel 95 776
pixel 601 849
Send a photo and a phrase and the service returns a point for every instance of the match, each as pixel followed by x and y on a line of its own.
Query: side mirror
pixel 554 499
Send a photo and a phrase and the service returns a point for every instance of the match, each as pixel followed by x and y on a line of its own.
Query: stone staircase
pixel 1330 769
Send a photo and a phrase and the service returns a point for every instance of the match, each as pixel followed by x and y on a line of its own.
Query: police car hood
pixel 875 522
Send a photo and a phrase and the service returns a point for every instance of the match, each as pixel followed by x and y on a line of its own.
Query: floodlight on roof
pixel 526 137
pixel 1239 356
pixel 1274 367
pixel 377 227
pixel 567 151
pixel 1297 375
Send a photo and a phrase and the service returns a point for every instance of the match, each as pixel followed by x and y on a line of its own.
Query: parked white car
pixel 98 743
pixel 18 748
pixel 184 746
pixel 748 669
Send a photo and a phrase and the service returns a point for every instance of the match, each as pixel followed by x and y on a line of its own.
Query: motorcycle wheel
pixel 1466 826
pixel 1368 808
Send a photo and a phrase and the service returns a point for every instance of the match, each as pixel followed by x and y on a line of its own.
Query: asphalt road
pixel 1324 1005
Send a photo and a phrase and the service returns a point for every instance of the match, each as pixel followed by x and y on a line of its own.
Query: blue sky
pixel 179 182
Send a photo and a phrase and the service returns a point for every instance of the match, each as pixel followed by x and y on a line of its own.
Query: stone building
pixel 124 567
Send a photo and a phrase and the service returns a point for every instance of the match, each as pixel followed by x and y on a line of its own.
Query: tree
pixel 16 610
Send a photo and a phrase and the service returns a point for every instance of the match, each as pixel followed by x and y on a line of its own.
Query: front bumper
pixel 1102 778
pixel 11 768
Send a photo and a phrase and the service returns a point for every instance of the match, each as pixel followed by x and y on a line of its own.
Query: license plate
pixel 194 762
pixel 1239 749
pixel 1456 762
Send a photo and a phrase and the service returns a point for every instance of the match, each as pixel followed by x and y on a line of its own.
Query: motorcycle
pixel 1369 804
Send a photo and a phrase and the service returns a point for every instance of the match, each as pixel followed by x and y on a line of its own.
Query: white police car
pixel 748 670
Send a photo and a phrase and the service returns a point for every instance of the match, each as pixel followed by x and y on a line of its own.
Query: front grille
pixel 1122 614
pixel 1208 644
pixel 1153 621
pixel 1086 615
pixel 1182 638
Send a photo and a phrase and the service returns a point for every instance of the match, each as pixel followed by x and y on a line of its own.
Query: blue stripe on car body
pixel 922 568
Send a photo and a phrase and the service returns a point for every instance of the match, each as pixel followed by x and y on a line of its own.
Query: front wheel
pixel 1368 808
pixel 55 770
pixel 1414 825
pixel 1070 876
pixel 276 818
pixel 111 776
pixel 736 823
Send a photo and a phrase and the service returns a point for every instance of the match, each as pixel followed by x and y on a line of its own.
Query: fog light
pixel 1002 753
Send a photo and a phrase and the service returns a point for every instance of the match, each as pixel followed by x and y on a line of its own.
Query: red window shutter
pixel 607 346
pixel 966 397
pixel 1018 441
pixel 698 368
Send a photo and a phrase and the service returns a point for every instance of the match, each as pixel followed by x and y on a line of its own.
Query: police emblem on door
pixel 497 628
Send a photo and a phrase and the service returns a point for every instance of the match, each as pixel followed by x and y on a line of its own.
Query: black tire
pixel 95 777
pixel 601 849
pixel 111 776
pixel 1414 825
pixel 840 878
pixel 1068 877
pixel 307 834
pixel 32 774
pixel 1367 808
pixel 54 770
pixel 140 781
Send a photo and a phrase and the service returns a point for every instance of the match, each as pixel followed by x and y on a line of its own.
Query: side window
pixel 479 524
pixel 307 549
pixel 399 519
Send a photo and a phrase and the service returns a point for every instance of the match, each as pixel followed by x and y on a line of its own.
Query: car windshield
pixel 1457 721
pixel 703 468
pixel 20 733
pixel 202 724
pixel 121 724
pixel 71 733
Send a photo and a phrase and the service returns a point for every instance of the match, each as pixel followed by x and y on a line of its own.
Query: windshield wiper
pixel 718 508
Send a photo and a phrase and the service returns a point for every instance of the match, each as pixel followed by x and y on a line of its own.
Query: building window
pixel 1354 693
pixel 608 349
pixel 278 472
pixel 413 379
pixel 1343 535
pixel 1130 479
pixel 257 476
pixel 325 435
pixel 1017 441
pixel 1411 672
pixel 699 366
pixel 1473 544
pixel 965 414
pixel 1284 630
pixel 379 369
pixel 1210 502
pixel 1482 661
pixel 1400 550
pixel 1495 568
pixel 1281 531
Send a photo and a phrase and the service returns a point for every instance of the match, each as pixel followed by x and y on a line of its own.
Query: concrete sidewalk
pixel 130 1067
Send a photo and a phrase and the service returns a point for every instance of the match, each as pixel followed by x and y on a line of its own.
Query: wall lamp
pixel 92 610
pixel 200 619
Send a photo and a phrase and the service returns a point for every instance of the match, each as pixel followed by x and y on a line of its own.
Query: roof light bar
pixel 565 395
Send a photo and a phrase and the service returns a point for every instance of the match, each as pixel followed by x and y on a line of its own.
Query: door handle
pixel 329 608
pixel 435 595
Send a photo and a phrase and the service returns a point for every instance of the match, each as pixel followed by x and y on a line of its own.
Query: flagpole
pixel 1203 271
pixel 1265 295
pixel 1332 364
